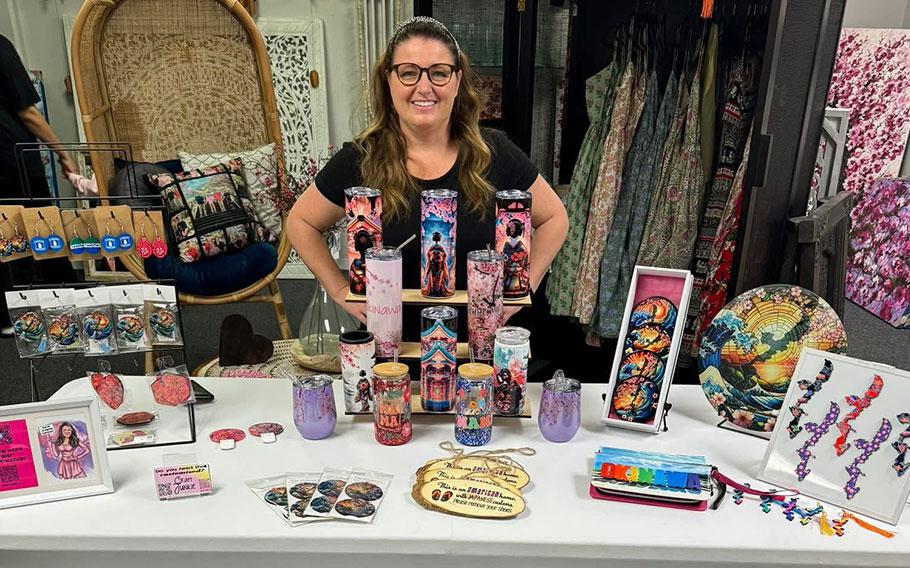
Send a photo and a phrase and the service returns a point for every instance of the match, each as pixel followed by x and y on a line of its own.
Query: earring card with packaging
pixel 79 232
pixel 44 227
pixel 13 234
pixel 114 225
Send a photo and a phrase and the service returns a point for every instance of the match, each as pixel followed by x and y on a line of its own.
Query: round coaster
pixel 364 490
pixel 355 508
pixel 265 427
pixel 235 434
pixel 277 496
pixel 331 487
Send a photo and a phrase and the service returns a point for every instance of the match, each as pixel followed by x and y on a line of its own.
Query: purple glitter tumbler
pixel 560 408
pixel 314 407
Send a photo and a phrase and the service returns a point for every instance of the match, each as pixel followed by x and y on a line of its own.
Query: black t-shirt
pixel 509 169
pixel 16 94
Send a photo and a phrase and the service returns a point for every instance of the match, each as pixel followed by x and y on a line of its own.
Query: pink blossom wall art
pixel 871 79
pixel 878 268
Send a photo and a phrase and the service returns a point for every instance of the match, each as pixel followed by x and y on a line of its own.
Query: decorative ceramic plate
pixel 749 351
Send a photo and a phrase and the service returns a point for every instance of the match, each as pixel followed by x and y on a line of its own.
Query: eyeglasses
pixel 410 73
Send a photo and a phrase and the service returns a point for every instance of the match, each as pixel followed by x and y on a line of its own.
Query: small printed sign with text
pixel 183 481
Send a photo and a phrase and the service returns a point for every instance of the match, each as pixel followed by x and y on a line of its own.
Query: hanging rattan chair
pixel 169 75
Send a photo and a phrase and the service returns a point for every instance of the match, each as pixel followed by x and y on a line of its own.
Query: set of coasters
pixel 486 484
pixel 304 497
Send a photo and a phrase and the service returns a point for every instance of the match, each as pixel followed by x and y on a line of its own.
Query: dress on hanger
pixel 646 251
pixel 599 96
pixel 616 238
pixel 627 109
pixel 671 239
pixel 737 115
pixel 616 268
pixel 713 294
pixel 709 102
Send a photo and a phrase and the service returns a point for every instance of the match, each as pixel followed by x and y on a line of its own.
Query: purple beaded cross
pixel 900 462
pixel 867 448
pixel 811 388
pixel 817 431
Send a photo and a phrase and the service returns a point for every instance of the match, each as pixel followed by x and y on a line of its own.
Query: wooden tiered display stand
pixel 411 349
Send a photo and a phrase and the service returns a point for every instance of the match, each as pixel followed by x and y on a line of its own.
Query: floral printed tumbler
pixel 384 299
pixel 363 210
pixel 392 404
pixel 314 407
pixel 560 408
pixel 513 240
pixel 511 352
pixel 484 301
pixel 438 212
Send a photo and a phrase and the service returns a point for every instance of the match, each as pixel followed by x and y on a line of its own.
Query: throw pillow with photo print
pixel 210 211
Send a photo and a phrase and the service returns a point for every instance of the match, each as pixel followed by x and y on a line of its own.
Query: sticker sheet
pixel 301 487
pixel 331 483
pixel 360 499
pixel 273 492
pixel 842 435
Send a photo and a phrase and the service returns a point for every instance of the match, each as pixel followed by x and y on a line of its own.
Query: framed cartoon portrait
pixel 50 451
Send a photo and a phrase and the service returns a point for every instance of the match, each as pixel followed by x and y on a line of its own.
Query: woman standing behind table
pixel 425 135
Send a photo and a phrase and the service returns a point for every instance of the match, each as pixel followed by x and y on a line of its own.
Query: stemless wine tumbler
pixel 314 407
pixel 560 408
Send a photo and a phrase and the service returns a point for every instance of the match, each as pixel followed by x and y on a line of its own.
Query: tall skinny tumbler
pixel 513 240
pixel 438 350
pixel 438 211
pixel 363 209
pixel 383 270
pixel 484 301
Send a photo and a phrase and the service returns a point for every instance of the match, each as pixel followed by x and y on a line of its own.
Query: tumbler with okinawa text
pixel 438 350
pixel 314 407
pixel 356 349
pixel 474 404
pixel 513 240
pixel 484 301
pixel 511 352
pixel 384 299
pixel 363 210
pixel 438 212
pixel 560 408
pixel 391 404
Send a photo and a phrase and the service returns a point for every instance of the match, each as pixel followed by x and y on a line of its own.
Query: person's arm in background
pixel 36 124
pixel 311 216
pixel 19 95
pixel 551 225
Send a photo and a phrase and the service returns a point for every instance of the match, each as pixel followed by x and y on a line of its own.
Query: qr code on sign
pixel 8 474
pixel 6 436
pixel 164 490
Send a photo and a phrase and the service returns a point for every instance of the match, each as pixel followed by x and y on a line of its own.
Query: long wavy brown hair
pixel 384 147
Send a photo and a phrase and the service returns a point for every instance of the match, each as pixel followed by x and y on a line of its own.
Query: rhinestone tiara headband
pixel 403 26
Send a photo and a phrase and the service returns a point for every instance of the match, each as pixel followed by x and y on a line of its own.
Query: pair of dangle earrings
pixel 89 245
pixel 52 243
pixel 15 245
pixel 112 244
pixel 146 249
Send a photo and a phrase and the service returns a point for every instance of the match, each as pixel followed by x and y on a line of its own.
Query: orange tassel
pixel 707 9
pixel 868 526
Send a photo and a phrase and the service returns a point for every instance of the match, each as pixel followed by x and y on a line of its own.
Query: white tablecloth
pixel 562 526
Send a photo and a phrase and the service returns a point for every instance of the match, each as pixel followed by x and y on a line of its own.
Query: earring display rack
pixel 87 202
pixel 36 362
